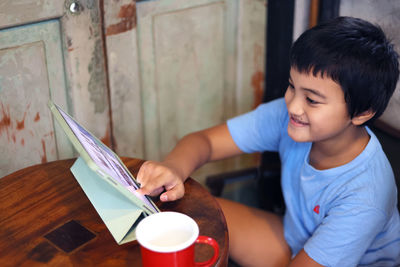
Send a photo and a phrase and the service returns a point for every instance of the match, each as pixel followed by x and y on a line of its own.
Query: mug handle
pixel 209 241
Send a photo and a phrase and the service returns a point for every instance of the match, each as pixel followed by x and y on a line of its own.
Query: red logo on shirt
pixel 316 209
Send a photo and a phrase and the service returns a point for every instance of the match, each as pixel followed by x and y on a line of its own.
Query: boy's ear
pixel 362 117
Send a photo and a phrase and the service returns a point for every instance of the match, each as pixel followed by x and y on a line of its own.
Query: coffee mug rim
pixel 167 249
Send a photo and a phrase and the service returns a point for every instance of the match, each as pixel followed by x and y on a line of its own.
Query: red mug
pixel 168 239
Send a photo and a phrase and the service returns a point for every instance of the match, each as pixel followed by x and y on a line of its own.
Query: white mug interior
pixel 167 232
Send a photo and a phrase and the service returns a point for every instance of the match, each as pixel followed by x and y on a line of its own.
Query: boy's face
pixel 316 107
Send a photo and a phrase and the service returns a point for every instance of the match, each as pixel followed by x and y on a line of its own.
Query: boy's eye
pixel 309 100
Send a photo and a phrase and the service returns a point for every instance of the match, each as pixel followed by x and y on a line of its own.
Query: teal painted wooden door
pixel 138 75
pixel 49 50
pixel 201 62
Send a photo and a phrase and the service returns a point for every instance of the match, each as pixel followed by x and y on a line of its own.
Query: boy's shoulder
pixel 273 110
pixel 277 104
pixel 369 178
pixel 260 129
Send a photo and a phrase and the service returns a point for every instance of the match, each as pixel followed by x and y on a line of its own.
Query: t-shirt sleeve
pixel 260 129
pixel 344 235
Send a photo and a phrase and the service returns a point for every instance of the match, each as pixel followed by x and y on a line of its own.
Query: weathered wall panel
pixel 201 62
pixel 251 54
pixel 189 73
pixel 160 25
pixel 26 125
pixel 14 13
pixel 31 72
pixel 86 70
pixel 123 71
pixel 67 39
pixel 174 66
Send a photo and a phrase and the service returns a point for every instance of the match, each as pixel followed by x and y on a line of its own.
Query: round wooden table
pixel 46 218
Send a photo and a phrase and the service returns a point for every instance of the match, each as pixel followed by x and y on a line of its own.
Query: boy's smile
pixel 297 122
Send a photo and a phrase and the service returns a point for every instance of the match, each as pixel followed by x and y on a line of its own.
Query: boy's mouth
pixel 296 122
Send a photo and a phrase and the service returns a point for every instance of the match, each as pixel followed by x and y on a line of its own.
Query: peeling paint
pixel 69 44
pixel 257 79
pixel 257 82
pixel 50 134
pixel 37 117
pixel 69 41
pixel 12 127
pixel 106 139
pixel 94 12
pixel 91 31
pixel 44 157
pixel 5 121
pixel 127 14
pixel 97 84
pixel 21 123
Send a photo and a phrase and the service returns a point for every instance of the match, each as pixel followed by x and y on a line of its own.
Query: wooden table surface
pixel 39 199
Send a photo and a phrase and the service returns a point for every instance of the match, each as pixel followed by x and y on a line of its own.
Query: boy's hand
pixel 191 152
pixel 155 177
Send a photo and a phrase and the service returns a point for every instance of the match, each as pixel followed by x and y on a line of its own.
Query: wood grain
pixel 38 199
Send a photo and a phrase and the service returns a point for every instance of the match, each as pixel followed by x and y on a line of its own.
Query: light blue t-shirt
pixel 344 216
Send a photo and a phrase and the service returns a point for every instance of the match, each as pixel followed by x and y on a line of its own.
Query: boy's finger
pixel 155 184
pixel 144 190
pixel 141 174
pixel 173 194
pixel 157 192
pixel 153 193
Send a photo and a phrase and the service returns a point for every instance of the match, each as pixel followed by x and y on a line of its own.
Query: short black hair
pixel 354 53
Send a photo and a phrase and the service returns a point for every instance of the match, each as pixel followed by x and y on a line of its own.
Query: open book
pixel 106 181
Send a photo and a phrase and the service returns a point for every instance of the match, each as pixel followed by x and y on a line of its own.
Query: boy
pixel 337 183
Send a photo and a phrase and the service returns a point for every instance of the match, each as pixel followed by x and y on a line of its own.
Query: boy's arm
pixel 302 259
pixel 191 152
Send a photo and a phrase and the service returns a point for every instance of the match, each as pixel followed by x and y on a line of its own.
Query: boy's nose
pixel 294 106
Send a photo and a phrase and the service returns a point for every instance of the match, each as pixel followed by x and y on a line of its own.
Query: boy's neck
pixel 338 152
